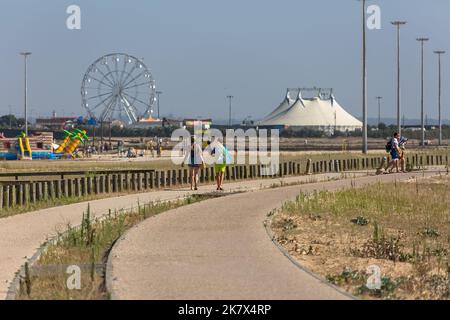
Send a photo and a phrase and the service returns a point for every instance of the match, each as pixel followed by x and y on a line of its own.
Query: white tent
pixel 318 113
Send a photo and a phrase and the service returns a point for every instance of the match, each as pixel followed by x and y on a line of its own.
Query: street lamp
pixel 439 53
pixel 398 24
pixel 10 116
pixel 364 79
pixel 230 98
pixel 158 93
pixel 379 110
pixel 422 41
pixel 25 56
pixel 32 116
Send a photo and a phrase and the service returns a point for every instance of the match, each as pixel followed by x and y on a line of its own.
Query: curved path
pixel 218 249
pixel 22 235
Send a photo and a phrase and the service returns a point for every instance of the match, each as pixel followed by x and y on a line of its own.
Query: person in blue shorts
pixel 395 154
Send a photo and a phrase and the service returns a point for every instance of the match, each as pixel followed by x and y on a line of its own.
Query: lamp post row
pixel 422 42
pixel 439 53
pixel 365 148
pixel 379 109
pixel 398 24
pixel 25 57
pixel 230 98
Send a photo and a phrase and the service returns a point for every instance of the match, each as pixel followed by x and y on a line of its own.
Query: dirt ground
pixel 339 235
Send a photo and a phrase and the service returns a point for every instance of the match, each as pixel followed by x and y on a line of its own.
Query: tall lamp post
pixel 10 116
pixel 110 132
pixel 364 79
pixel 379 110
pixel 230 98
pixel 158 93
pixel 398 24
pixel 422 41
pixel 25 56
pixel 439 53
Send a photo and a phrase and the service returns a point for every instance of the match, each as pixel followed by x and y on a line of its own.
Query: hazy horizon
pixel 202 50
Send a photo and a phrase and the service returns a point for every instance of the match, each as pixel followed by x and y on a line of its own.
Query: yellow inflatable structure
pixel 63 145
pixel 25 149
pixel 80 137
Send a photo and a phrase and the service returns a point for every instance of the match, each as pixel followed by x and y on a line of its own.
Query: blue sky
pixel 199 51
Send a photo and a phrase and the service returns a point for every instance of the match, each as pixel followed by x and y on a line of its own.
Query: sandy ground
pixel 218 249
pixel 326 243
pixel 22 235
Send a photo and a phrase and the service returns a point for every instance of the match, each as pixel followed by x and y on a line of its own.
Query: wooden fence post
pixel 163 179
pixel 152 179
pixel 26 199
pixel 157 179
pixel 6 202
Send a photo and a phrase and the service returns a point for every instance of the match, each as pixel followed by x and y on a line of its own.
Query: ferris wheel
pixel 118 86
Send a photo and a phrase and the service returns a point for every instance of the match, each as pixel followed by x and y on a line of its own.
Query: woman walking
pixel 402 144
pixel 194 159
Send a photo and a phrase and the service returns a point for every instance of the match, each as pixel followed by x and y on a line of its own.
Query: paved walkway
pixel 218 249
pixel 22 235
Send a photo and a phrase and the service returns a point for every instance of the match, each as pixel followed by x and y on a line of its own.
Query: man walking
pixel 395 152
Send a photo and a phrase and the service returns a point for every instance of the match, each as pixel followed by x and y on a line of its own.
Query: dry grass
pixel 157 164
pixel 83 164
pixel 403 228
pixel 166 163
pixel 87 247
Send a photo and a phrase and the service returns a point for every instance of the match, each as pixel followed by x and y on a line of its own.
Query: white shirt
pixel 394 144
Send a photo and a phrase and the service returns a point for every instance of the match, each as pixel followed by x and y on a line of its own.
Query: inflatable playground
pixel 41 146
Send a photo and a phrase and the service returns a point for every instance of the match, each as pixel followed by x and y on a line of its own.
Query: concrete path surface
pixel 218 249
pixel 22 235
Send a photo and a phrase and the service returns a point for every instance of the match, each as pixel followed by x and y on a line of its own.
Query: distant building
pixel 248 122
pixel 204 124
pixel 172 123
pixel 56 123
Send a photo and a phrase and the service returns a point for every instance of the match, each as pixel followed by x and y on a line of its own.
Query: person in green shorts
pixel 221 154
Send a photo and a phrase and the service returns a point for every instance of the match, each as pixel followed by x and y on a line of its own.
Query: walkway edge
pixel 267 223
pixel 109 275
pixel 14 284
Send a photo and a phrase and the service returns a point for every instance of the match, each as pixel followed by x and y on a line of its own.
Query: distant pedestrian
pixel 393 147
pixel 159 148
pixel 120 148
pixel 194 159
pixel 88 151
pixel 151 148
pixel 402 145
